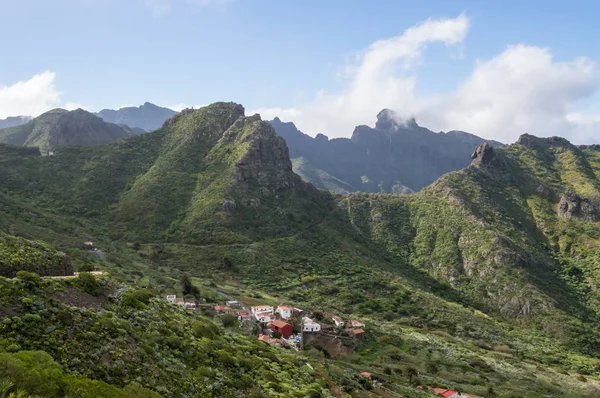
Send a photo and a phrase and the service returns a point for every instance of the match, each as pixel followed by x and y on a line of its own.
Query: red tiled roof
pixel 448 393
pixel 279 324
pixel 359 331
pixel 438 390
pixel 263 337
pixel 285 307
pixel 366 374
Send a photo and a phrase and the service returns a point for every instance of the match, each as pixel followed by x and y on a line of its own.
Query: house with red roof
pixel 222 308
pixel 179 301
pixel 442 392
pixel 358 333
pixel 366 374
pixel 282 327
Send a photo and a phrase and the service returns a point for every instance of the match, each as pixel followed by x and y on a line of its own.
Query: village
pixel 290 327
pixel 283 325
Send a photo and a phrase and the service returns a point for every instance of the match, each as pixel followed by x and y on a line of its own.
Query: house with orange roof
pixel 284 328
pixel 442 392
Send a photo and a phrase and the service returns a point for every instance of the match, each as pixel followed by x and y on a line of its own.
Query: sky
pixel 497 69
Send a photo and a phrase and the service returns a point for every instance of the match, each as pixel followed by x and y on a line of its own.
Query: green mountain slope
pixel 500 254
pixel 59 127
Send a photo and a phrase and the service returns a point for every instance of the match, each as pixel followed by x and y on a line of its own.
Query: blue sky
pixel 277 56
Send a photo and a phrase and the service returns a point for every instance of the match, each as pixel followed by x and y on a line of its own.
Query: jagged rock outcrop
pixel 574 207
pixel 483 155
pixel 266 164
pixel 534 142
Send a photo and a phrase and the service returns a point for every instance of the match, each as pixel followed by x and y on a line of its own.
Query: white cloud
pixel 374 81
pixel 30 97
pixel 34 96
pixel 521 90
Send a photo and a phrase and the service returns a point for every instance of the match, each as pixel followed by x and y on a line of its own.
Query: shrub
pixel 136 298
pixel 89 284
pixel 30 277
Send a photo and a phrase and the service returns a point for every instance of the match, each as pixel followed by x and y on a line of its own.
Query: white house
pixel 357 324
pixel 233 303
pixel 190 306
pixel 284 311
pixel 308 325
pixel 262 309
pixel 339 322
pixel 264 317
pixel 171 298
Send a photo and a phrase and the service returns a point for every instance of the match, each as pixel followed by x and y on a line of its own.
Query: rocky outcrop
pixel 574 207
pixel 266 165
pixel 483 155
pixel 531 141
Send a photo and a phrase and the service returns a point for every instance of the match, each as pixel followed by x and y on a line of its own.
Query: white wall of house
pixel 285 313
pixel 262 308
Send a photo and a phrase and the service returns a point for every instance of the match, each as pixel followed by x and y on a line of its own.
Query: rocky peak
pixel 531 141
pixel 483 155
pixel 388 119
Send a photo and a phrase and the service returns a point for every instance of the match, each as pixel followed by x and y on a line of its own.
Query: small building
pixel 233 303
pixel 264 317
pixel 284 311
pixel 222 308
pixel 243 316
pixel 366 374
pixel 357 324
pixel 88 243
pixel 282 327
pixel 190 306
pixel 358 333
pixel 261 309
pixel 179 301
pixel 308 325
pixel 171 298
pixel 442 392
pixel 339 322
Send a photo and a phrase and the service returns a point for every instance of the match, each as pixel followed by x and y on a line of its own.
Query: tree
pixel 411 373
pixel 490 393
pixel 432 368
pixel 228 320
pixel 89 284
pixel 276 335
pixel 227 264
pixel 188 287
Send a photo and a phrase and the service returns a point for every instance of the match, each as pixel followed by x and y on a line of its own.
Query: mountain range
pixel 394 156
pixel 147 117
pixel 59 127
pixel 487 277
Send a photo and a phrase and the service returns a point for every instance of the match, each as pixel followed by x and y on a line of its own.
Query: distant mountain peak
pixel 147 117
pixel 388 119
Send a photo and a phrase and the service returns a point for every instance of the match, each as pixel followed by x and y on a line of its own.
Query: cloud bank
pixel 521 90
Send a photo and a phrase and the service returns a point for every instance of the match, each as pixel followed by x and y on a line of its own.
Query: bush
pixel 30 277
pixel 228 320
pixel 89 284
pixel 136 298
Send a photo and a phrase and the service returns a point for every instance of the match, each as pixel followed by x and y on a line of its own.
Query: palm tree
pixel 411 372
pixel 5 385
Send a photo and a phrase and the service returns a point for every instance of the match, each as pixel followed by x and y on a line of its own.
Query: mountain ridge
pixel 147 116
pixel 59 127
pixel 392 157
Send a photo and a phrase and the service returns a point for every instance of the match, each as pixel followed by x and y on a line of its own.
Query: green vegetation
pixel 479 281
